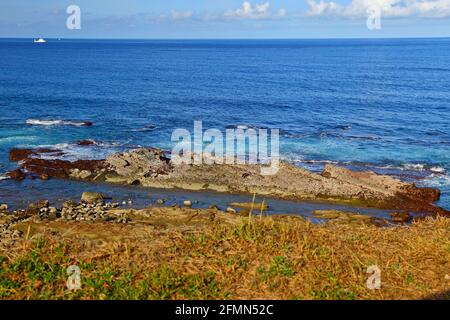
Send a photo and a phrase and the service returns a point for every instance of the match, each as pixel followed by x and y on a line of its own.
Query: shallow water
pixel 20 194
pixel 381 105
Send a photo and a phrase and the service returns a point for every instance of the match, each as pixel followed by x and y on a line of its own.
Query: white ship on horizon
pixel 40 40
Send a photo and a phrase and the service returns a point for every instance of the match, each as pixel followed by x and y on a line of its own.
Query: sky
pixel 218 19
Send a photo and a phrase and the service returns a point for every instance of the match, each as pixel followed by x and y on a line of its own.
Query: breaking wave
pixel 55 122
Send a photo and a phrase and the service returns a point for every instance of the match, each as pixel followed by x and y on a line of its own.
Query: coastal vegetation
pixel 185 253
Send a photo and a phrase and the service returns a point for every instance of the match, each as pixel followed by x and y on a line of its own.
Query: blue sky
pixel 225 18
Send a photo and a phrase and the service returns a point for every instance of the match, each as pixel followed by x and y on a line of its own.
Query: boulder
pixel 92 197
pixel 36 207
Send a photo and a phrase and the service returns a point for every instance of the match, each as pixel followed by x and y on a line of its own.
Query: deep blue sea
pixel 381 105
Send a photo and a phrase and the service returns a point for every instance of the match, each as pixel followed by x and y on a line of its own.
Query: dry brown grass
pixel 275 258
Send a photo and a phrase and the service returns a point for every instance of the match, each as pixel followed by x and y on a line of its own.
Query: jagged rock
pixel 3 207
pixel 160 201
pixel 151 168
pixel 140 163
pixel 92 197
pixel 44 177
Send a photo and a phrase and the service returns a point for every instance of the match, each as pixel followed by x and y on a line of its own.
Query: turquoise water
pixel 378 105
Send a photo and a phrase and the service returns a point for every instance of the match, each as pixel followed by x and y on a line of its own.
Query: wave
pixel 327 134
pixel 19 139
pixel 56 122
pixel 412 170
pixel 3 177
pixel 437 181
pixel 75 151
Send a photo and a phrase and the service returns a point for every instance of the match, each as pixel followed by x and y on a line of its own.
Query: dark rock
pixel 86 142
pixel 16 175
pixel 17 155
pixel 36 207
pixel 400 217
pixel 61 168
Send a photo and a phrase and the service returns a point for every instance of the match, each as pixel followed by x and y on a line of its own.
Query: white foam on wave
pixel 437 181
pixel 413 166
pixel 55 122
pixel 74 152
pixel 437 169
pixel 424 169
pixel 2 177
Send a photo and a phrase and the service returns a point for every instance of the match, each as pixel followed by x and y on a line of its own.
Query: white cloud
pixel 257 11
pixel 389 8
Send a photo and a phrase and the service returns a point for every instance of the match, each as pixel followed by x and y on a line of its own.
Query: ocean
pixel 381 105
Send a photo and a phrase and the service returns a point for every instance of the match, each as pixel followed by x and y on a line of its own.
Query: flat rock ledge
pixel 151 167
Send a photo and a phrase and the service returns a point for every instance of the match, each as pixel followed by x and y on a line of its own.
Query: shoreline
pixel 172 250
pixel 149 167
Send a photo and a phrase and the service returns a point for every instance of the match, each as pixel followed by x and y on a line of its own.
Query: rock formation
pixel 152 168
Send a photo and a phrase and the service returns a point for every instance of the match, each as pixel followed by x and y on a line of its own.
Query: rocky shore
pixel 151 167
pixel 186 253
